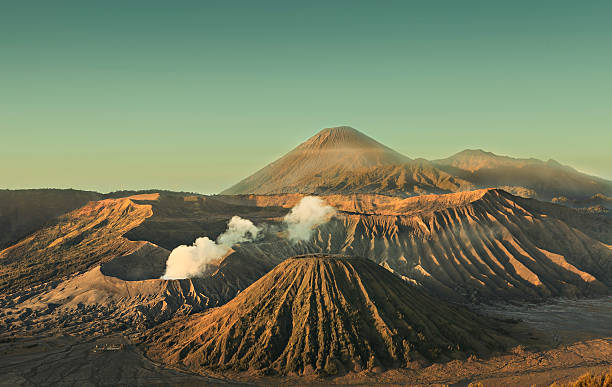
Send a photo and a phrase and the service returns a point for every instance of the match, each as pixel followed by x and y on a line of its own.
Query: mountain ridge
pixel 343 160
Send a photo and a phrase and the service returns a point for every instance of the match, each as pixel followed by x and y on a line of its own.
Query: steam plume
pixel 238 230
pixel 190 261
pixel 310 212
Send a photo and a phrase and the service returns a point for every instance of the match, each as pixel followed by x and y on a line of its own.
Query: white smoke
pixel 310 212
pixel 190 261
pixel 238 230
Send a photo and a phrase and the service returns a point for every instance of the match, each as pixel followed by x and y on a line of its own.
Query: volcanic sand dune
pixel 324 315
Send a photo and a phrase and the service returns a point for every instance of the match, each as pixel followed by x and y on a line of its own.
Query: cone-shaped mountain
pixel 342 159
pixel 325 315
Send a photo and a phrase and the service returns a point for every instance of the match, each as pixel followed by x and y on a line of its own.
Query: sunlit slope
pixel 496 247
pixel 343 160
pixel 77 240
pixel 467 246
pixel 25 211
pixel 471 246
pixel 324 315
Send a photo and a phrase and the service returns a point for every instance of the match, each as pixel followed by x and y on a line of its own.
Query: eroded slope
pixel 25 211
pixel 324 315
pixel 469 246
pixel 475 246
pixel 90 234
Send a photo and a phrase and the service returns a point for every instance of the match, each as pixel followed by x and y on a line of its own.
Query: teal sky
pixel 196 95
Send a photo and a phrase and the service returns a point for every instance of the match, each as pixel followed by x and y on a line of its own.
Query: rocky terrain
pixel 25 211
pixel 325 314
pixel 469 247
pixel 78 239
pixel 598 204
pixel 88 265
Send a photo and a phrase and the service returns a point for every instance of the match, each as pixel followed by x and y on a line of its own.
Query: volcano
pixel 344 160
pixel 324 314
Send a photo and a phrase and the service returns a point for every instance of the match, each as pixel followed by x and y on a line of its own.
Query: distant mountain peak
pixel 325 160
pixel 476 159
pixel 342 159
pixel 344 137
pixel 338 130
pixel 475 152
pixel 523 176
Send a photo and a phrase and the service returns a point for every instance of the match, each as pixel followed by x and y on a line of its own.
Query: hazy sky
pixel 194 96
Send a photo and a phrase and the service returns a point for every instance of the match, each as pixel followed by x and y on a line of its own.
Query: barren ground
pixel 72 361
pixel 571 337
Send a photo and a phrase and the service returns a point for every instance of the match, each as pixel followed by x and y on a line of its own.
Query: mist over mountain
pixel 525 177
